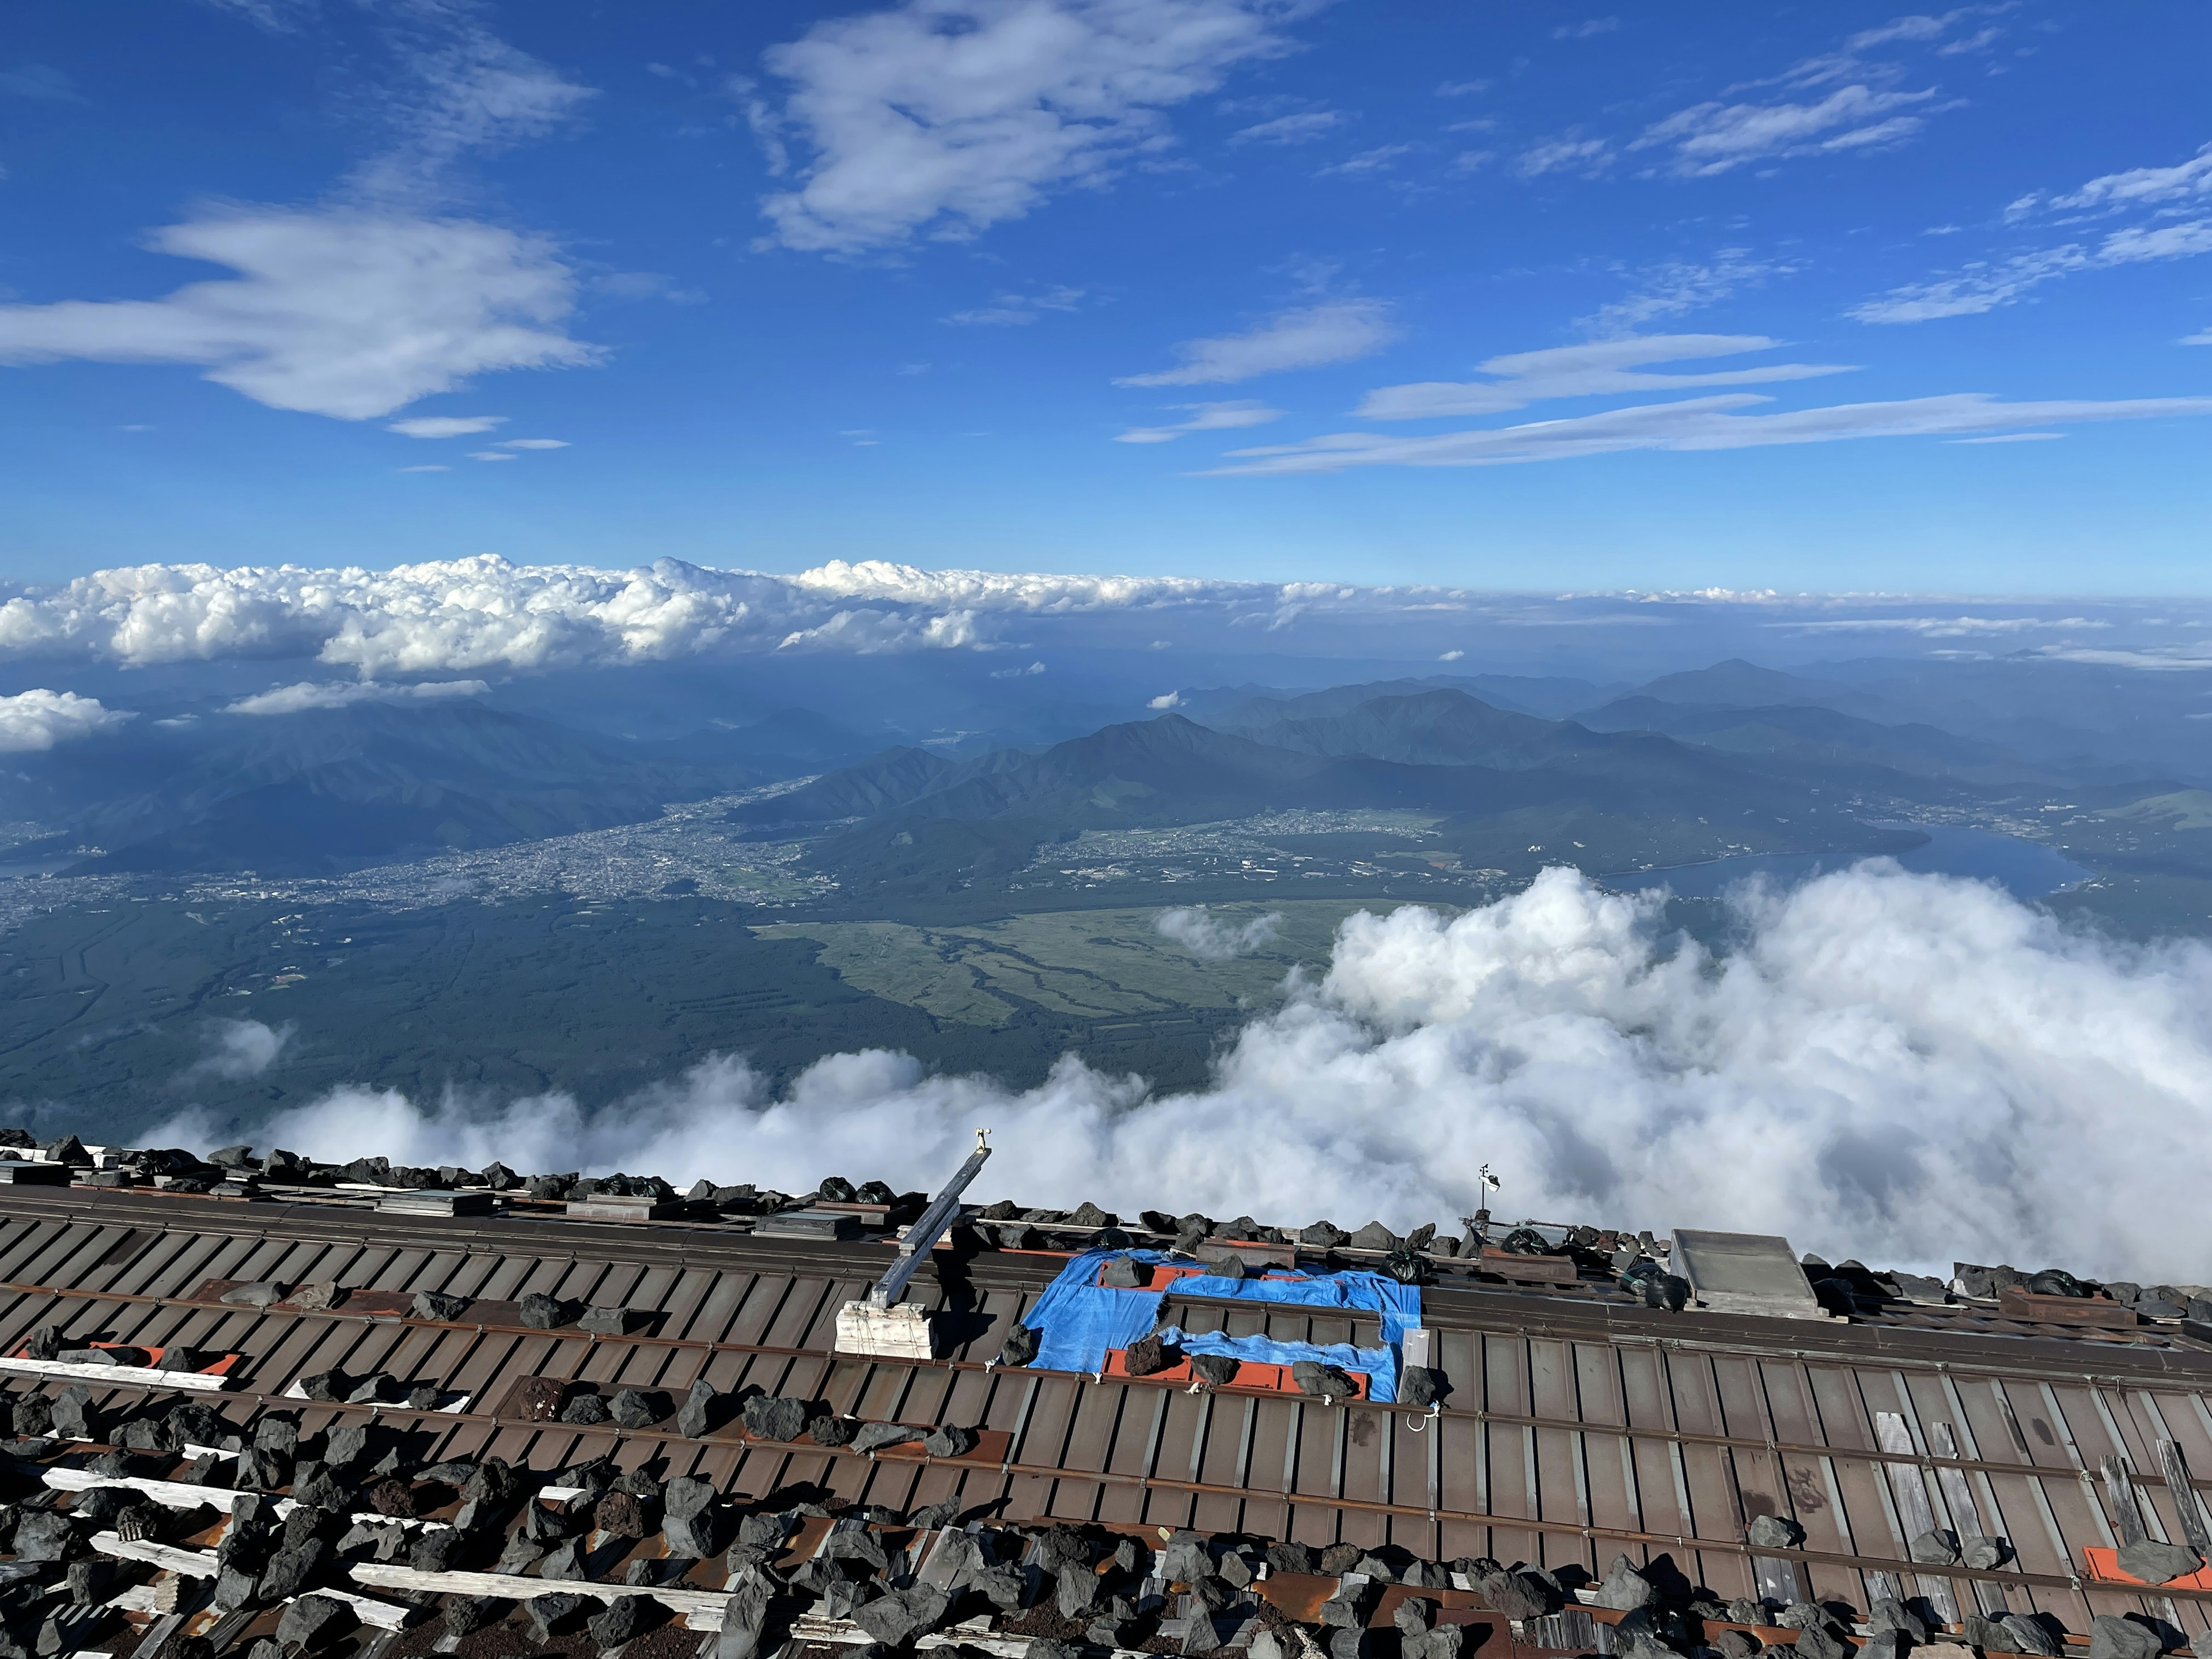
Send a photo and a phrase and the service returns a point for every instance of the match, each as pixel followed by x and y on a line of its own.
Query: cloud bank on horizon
pixel 1907 1069
pixel 487 615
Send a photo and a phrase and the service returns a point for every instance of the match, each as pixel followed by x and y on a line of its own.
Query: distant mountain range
pixel 1726 759
pixel 1511 791
pixel 320 790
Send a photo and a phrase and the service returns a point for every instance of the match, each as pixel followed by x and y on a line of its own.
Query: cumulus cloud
pixel 1309 337
pixel 1204 418
pixel 342 693
pixel 38 720
pixel 241 1048
pixel 1907 1069
pixel 1165 701
pixel 1599 369
pixel 1696 423
pixel 944 116
pixel 1209 938
pixel 341 312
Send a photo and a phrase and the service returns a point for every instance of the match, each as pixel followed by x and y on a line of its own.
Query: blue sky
pixel 939 284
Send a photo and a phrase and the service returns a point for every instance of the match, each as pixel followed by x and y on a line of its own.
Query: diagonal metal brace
pixel 921 1237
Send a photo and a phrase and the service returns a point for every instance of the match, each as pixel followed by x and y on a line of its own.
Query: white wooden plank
pixel 141 1377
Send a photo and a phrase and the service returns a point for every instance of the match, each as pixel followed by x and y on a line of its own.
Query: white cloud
pixel 1904 1069
pixel 2203 337
pixel 1585 158
pixel 1985 286
pixel 2011 438
pixel 1018 673
pixel 945 117
pixel 467 614
pixel 1600 367
pixel 1696 423
pixel 1713 137
pixel 533 443
pixel 459 90
pixel 343 694
pixel 1586 29
pixel 1209 938
pixel 1302 128
pixel 240 1048
pixel 1204 418
pixel 1451 656
pixel 32 720
pixel 1367 160
pixel 2143 186
pixel 1673 287
pixel 447 426
pixel 336 312
pixel 1333 331
pixel 491 455
pixel 432 468
pixel 1166 699
pixel 1018 310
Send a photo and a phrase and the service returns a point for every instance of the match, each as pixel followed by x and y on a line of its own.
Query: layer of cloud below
pixel 1909 1069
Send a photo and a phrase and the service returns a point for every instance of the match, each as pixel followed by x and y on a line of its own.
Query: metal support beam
pixel 921 1237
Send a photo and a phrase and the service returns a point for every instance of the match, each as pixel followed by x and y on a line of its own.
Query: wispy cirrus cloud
pixel 1846 101
pixel 1606 368
pixel 1675 285
pixel 1715 137
pixel 1204 418
pixel 1016 310
pixel 1306 336
pixel 1300 127
pixel 1569 153
pixel 942 117
pixel 1696 423
pixel 2158 198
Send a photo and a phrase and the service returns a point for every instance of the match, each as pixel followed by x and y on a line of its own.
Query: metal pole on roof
pixel 917 1241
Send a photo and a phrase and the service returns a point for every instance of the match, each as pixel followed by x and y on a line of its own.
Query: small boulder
pixel 949 1440
pixel 2112 1638
pixel 1148 1355
pixel 256 1293
pixel 775 1417
pixel 1312 1377
pixel 827 1431
pixel 625 1617
pixel 639 1409
pixel 1021 1346
pixel 542 1312
pixel 1775 1532
pixel 1936 1548
pixel 874 1437
pixel 606 1321
pixel 313 1622
pixel 2158 1564
pixel 556 1615
pixel 1215 1370
pixel 1624 1588
pixel 437 1305
pixel 585 1409
pixel 701 1411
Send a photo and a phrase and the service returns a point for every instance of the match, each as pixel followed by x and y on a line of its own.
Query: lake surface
pixel 2026 869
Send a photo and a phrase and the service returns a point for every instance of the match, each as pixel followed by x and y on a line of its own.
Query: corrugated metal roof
pixel 1578 1425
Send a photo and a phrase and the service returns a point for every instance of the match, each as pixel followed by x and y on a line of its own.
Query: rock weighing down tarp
pixel 1080 1321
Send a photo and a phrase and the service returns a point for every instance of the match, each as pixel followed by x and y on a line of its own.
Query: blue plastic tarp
pixel 1078 1320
